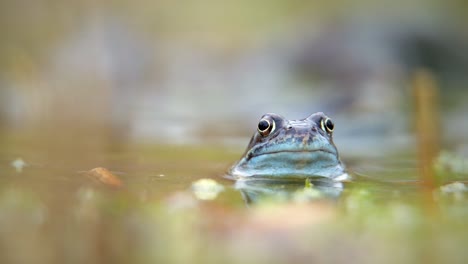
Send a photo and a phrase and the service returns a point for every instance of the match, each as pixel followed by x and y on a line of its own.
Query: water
pixel 53 210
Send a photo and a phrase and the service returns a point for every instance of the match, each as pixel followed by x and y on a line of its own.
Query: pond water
pixel 55 211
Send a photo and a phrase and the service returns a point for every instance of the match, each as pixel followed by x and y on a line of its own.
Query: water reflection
pixel 290 190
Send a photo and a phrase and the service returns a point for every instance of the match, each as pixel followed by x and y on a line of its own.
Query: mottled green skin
pixel 294 149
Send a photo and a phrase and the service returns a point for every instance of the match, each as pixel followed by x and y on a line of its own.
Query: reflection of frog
pixel 254 191
pixel 287 149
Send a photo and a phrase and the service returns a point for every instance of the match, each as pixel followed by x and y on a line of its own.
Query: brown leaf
pixel 104 176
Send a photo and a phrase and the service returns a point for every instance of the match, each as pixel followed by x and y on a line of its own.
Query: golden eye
pixel 265 127
pixel 327 125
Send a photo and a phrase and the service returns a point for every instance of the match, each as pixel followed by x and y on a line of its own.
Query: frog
pixel 291 149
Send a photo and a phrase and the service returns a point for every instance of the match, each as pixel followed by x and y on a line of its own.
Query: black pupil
pixel 263 125
pixel 329 124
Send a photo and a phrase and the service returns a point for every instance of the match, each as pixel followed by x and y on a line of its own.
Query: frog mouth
pixel 295 151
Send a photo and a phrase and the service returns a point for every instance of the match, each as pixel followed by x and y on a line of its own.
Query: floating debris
pixel 455 189
pixel 104 176
pixel 206 189
pixel 19 164
pixel 450 162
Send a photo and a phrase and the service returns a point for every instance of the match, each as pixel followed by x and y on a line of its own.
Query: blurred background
pixel 102 73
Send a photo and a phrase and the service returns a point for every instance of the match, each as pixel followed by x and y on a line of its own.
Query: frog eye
pixel 327 125
pixel 265 127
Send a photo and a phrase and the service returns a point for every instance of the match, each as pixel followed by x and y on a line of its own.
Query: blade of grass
pixel 427 122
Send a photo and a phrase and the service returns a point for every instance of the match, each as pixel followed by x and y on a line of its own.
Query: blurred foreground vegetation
pixel 99 226
pixel 51 212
